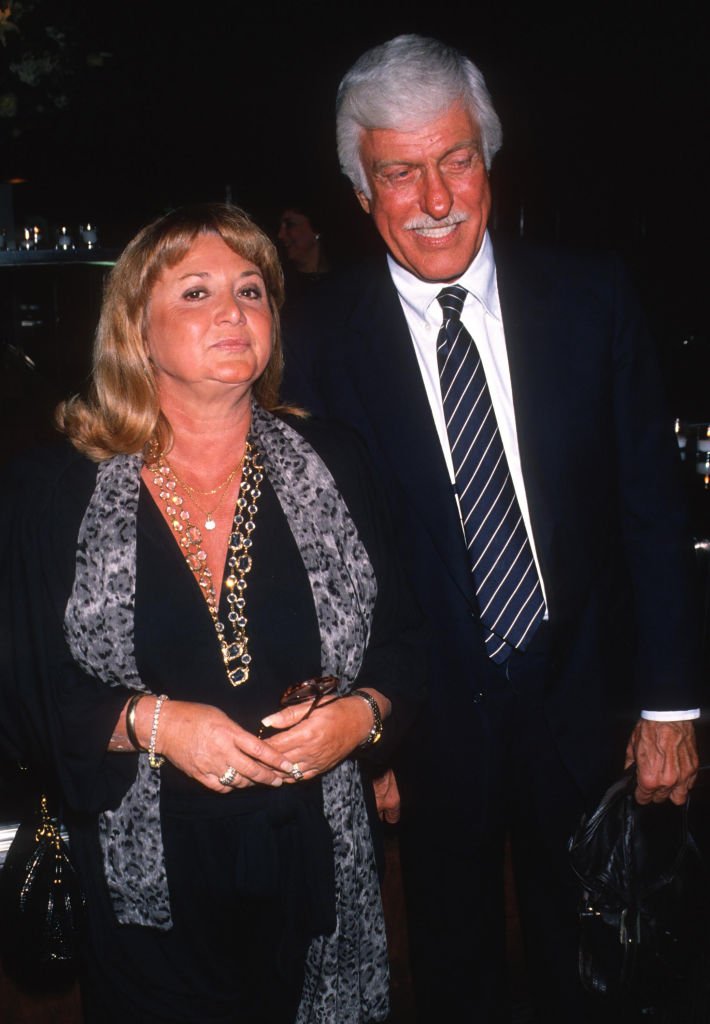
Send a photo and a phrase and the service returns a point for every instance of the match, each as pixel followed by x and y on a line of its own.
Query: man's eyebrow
pixel 381 165
pixel 464 144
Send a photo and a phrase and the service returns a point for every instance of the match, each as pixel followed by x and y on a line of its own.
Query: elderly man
pixel 512 405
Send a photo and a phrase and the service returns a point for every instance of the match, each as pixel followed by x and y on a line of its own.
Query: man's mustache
pixel 425 222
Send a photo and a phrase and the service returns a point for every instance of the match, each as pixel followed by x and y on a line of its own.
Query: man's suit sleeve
pixel 655 524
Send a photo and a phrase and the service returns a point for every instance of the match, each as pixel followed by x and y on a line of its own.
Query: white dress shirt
pixel 481 315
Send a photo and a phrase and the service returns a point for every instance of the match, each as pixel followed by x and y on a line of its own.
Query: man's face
pixel 430 194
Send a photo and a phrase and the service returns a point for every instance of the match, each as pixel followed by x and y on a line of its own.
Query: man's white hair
pixel 404 84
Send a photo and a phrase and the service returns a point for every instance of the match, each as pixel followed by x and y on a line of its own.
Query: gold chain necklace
pixel 235 652
pixel 196 490
pixel 210 522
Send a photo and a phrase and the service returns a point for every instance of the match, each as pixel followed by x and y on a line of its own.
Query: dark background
pixel 604 108
pixel 142 107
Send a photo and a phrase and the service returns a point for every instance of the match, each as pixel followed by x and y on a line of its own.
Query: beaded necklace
pixel 235 651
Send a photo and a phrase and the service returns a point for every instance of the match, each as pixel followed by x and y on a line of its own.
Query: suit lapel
pixel 530 340
pixel 386 375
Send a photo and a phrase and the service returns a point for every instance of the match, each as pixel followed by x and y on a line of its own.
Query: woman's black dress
pixel 250 873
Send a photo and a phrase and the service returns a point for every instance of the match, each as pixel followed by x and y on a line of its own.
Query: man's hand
pixel 666 760
pixel 387 797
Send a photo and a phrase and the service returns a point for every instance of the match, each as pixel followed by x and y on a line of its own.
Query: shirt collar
pixel 479 279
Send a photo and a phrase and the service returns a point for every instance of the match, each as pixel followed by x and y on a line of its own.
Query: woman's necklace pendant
pixel 210 524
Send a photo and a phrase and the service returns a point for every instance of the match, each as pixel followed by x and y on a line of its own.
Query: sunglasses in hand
pixel 320 690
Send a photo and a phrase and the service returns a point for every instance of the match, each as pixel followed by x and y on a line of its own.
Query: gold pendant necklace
pixel 235 649
pixel 210 522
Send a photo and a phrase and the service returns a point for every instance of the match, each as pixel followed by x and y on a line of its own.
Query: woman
pixel 306 262
pixel 191 557
pixel 301 239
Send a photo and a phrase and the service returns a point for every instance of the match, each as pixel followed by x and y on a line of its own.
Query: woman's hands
pixel 320 741
pixel 204 743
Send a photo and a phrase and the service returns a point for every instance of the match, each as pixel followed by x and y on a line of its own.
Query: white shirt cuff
pixel 671 716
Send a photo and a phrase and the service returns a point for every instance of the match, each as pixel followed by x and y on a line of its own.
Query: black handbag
pixel 41 902
pixel 644 895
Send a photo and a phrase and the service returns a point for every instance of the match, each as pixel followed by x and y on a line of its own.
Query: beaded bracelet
pixel 156 760
pixel 375 732
pixel 131 722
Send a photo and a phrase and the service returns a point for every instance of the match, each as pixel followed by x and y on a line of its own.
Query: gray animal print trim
pixel 101 605
pixel 98 625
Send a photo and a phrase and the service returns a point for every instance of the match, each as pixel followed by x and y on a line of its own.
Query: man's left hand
pixel 387 798
pixel 666 760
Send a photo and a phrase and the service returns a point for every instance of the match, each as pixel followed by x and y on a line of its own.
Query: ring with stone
pixel 229 776
pixel 296 773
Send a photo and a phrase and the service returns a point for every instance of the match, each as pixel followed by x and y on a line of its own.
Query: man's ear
pixel 363 200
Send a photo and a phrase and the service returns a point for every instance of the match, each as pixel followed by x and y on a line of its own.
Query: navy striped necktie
pixel 505 577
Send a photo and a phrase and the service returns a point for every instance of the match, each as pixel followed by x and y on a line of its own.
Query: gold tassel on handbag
pixel 41 902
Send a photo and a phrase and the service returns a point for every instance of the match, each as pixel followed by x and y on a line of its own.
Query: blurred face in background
pixel 299 240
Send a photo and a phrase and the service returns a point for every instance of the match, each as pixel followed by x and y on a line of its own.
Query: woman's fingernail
pixel 266 721
pixel 277 782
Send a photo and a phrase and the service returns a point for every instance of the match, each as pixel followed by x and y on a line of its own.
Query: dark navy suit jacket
pixel 602 481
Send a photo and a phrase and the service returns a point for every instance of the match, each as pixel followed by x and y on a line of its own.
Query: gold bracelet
pixel 155 760
pixel 375 732
pixel 131 722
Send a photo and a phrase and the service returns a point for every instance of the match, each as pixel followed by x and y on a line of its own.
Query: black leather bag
pixel 41 902
pixel 644 895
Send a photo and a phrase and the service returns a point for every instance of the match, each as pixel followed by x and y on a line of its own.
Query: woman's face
pixel 297 236
pixel 209 321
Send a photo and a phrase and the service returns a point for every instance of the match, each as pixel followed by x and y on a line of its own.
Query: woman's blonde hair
pixel 122 411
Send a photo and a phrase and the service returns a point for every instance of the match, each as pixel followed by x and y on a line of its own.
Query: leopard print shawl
pixel 346 972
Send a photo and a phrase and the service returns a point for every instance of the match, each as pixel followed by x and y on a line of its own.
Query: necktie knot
pixel 451 300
